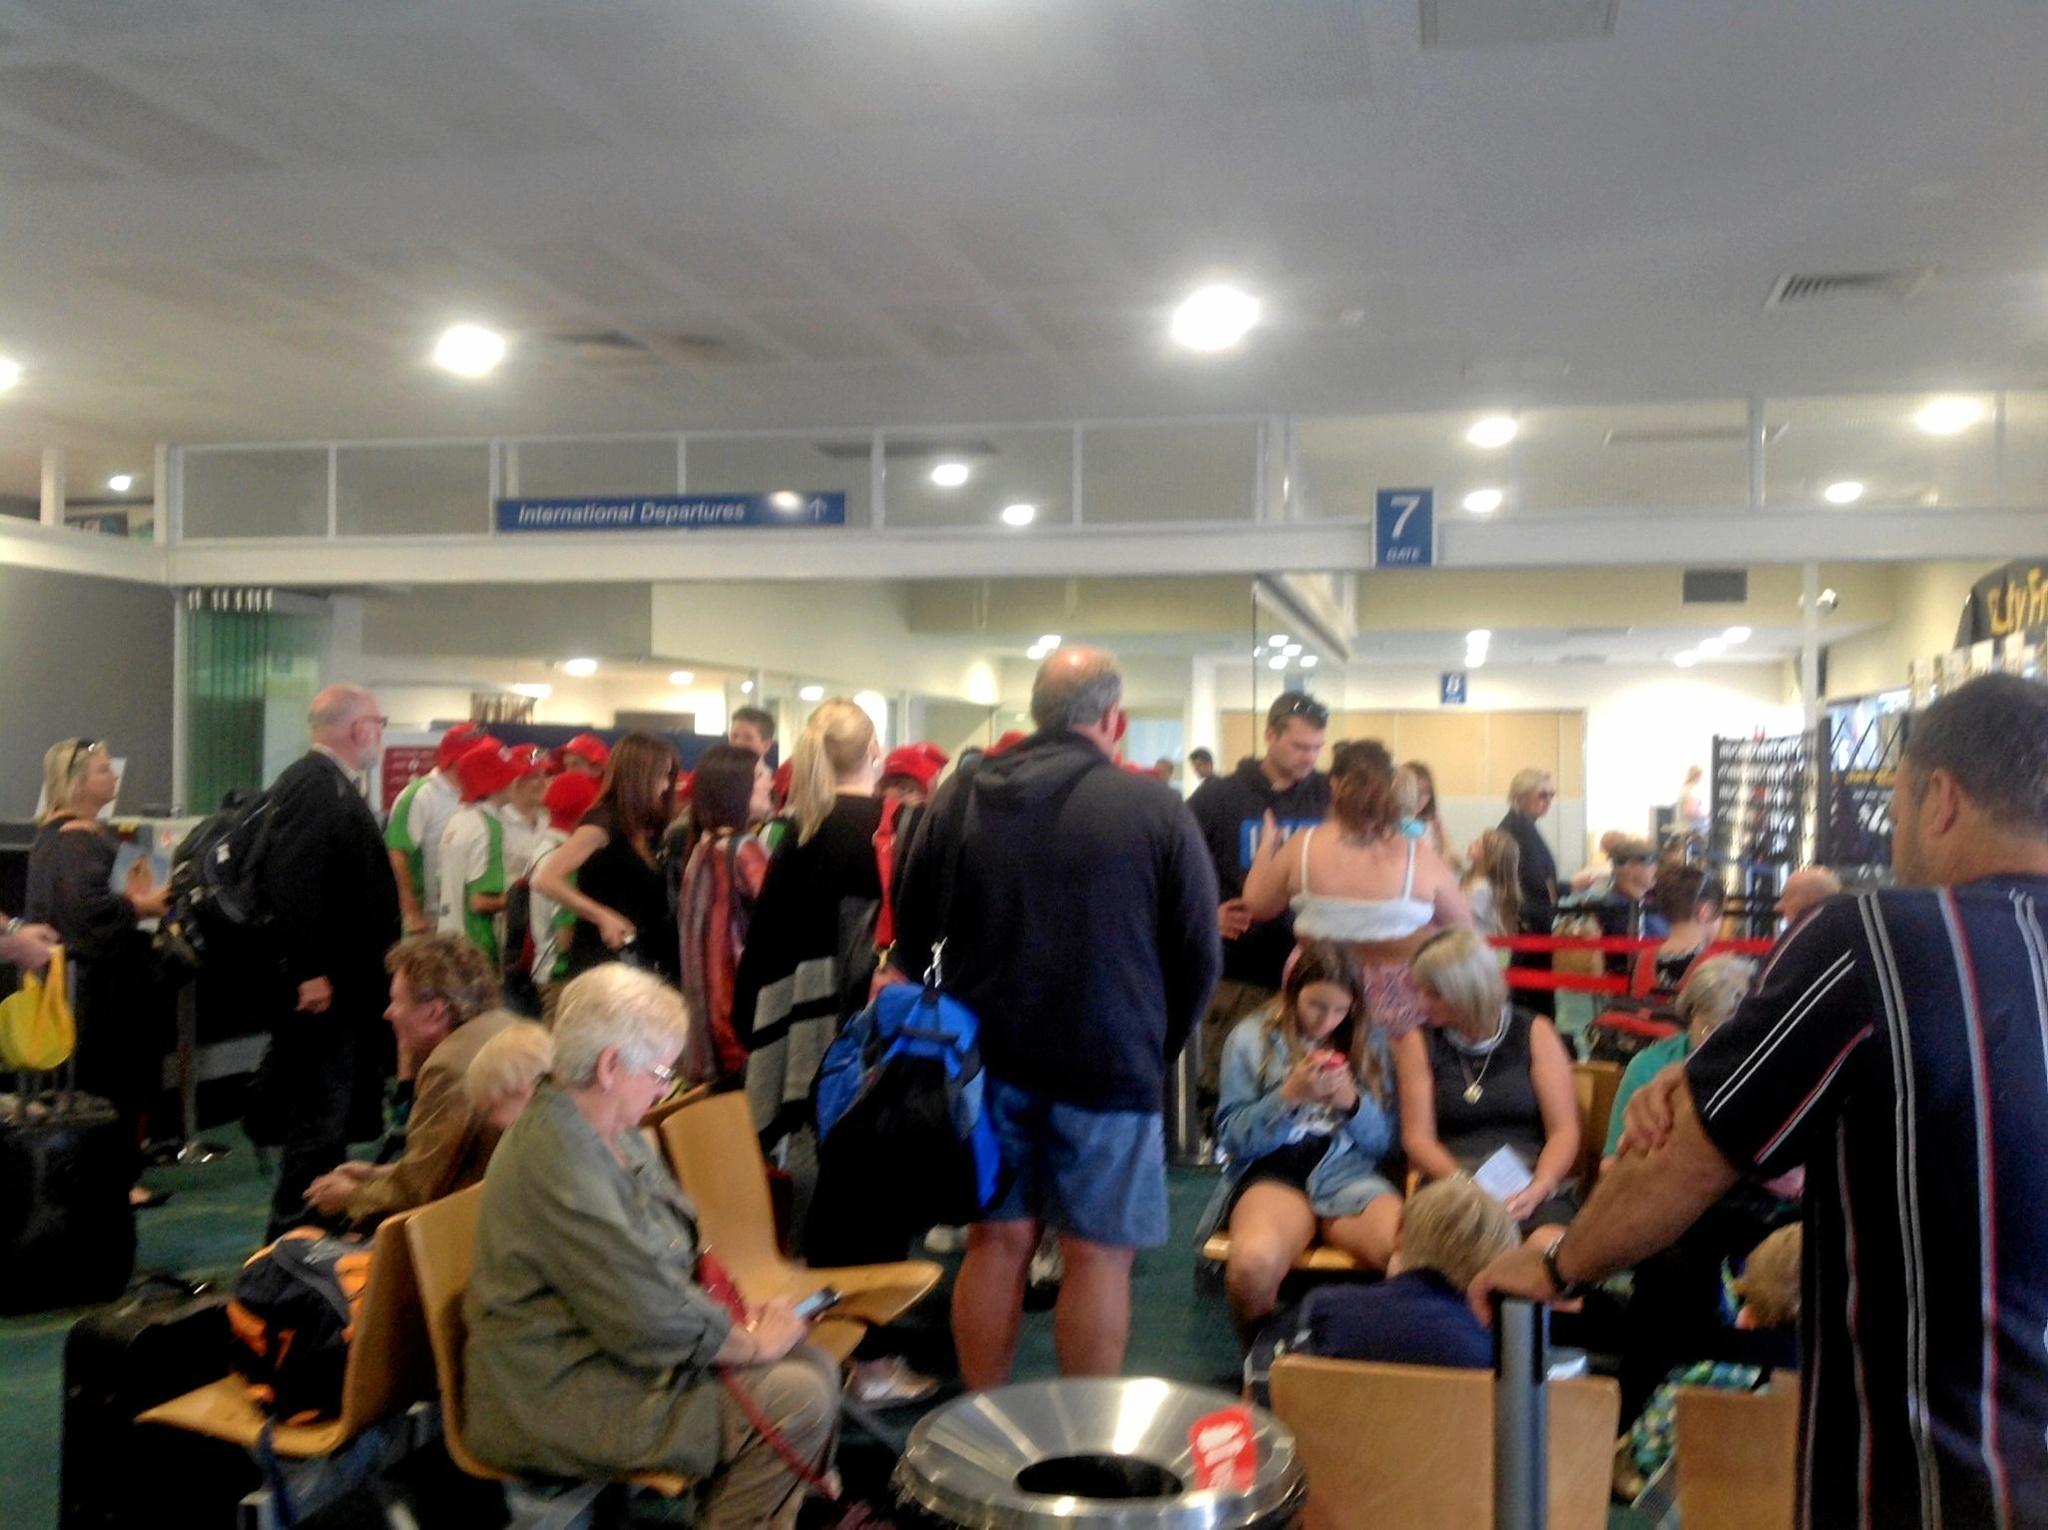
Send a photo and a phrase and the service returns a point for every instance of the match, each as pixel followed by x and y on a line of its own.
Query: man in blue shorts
pixel 1076 907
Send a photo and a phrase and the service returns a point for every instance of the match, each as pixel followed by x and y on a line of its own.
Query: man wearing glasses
pixel 327 892
pixel 1231 810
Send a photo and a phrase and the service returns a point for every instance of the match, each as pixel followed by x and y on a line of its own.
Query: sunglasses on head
pixel 1307 707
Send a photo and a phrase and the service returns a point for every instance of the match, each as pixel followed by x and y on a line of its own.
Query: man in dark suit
pixel 327 888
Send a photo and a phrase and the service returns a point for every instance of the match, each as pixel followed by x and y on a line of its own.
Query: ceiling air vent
pixel 1716 586
pixel 895 448
pixel 1689 435
pixel 1820 287
pixel 601 347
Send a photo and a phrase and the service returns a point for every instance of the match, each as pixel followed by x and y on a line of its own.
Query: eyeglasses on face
pixel 662 1072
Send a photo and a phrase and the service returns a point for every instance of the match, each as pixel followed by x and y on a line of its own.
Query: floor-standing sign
pixel 1404 528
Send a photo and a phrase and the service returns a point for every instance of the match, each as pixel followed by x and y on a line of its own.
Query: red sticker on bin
pixel 1226 1454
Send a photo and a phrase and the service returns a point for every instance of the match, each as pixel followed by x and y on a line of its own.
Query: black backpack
pixel 215 891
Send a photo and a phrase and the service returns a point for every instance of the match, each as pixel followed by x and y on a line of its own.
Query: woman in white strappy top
pixel 1356 878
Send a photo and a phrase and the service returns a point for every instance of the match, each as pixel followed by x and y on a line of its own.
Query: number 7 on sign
pixel 1407 504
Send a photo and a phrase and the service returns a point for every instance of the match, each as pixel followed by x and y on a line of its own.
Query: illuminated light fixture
pixel 811 693
pixel 121 483
pixel 1737 635
pixel 1712 648
pixel 1476 660
pixel 1019 514
pixel 1278 640
pixel 582 669
pixel 950 475
pixel 1214 318
pixel 1309 661
pixel 1492 432
pixel 1948 416
pixel 1277 662
pixel 746 687
pixel 533 691
pixel 786 500
pixel 1687 659
pixel 1291 650
pixel 1049 641
pixel 1480 635
pixel 682 677
pixel 1844 492
pixel 10 373
pixel 468 350
pixel 1484 501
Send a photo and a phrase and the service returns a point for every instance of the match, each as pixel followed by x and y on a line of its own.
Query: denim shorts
pixel 1095 1174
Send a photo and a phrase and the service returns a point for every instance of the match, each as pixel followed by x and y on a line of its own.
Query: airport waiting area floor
pixel 215 1217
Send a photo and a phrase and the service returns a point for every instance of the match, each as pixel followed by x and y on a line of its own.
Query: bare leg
pixel 1270 1227
pixel 1091 1322
pixel 988 1300
pixel 1369 1236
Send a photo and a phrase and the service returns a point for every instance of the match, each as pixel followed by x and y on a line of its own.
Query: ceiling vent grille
pixel 602 347
pixel 1716 586
pixel 1690 435
pixel 895 448
pixel 1821 287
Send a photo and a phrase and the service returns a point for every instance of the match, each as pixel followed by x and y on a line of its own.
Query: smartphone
pixel 818 1301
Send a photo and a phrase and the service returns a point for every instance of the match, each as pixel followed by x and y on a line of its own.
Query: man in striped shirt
pixel 1898 1048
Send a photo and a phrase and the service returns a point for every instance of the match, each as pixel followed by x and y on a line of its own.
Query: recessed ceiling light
pixel 1494 430
pixel 682 677
pixel 582 669
pixel 1214 318
pixel 950 475
pixel 1480 635
pixel 1475 658
pixel 746 687
pixel 1844 492
pixel 121 483
pixel 533 691
pixel 786 500
pixel 468 350
pixel 811 693
pixel 1484 501
pixel 1736 635
pixel 1291 649
pixel 10 373
pixel 1309 661
pixel 1049 640
pixel 1278 640
pixel 1019 515
pixel 1712 648
pixel 1687 659
pixel 1947 416
pixel 1277 662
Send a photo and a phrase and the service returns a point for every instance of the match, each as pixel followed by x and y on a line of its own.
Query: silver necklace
pixel 1475 1082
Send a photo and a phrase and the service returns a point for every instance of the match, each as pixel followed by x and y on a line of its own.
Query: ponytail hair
pixel 64 766
pixel 836 741
pixel 1367 795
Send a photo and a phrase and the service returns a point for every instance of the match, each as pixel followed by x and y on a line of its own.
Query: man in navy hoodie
pixel 1076 910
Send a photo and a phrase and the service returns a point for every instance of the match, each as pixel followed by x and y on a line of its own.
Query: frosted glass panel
pixel 256 493
pixel 1001 468
pixel 768 464
pixel 1169 473
pixel 398 491
pixel 1880 441
pixel 572 469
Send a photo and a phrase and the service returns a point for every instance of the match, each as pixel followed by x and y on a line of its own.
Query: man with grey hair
pixel 1071 905
pixel 330 907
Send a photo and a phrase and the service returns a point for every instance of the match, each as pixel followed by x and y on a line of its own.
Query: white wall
pixel 1927 601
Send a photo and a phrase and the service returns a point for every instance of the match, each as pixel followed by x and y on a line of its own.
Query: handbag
pixel 38 1032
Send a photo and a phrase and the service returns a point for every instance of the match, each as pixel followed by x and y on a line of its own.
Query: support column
pixel 53 486
pixel 1809 644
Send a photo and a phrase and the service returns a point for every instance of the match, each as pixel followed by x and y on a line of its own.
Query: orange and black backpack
pixel 294 1312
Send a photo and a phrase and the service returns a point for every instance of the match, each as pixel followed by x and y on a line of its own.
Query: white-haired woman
pixel 1714 989
pixel 593 1351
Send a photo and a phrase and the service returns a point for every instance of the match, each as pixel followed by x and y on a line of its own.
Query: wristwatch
pixel 1566 1290
pixel 14 925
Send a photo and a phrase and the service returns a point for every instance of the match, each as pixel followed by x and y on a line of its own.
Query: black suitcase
pixel 156 1343
pixel 67 1234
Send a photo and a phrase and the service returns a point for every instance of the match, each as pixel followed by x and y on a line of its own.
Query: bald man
pixel 1805 890
pixel 331 906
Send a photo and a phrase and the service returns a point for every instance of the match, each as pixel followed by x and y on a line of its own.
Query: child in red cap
pixel 412 837
pixel 473 879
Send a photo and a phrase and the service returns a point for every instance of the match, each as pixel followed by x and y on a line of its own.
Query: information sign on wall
pixel 1452 688
pixel 1404 528
pixel 673 512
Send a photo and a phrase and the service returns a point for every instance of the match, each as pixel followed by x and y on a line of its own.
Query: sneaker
pixel 886 1383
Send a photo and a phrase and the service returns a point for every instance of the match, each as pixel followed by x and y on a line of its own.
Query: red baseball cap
pixel 485 769
pixel 568 798
pixel 528 759
pixel 1009 740
pixel 921 761
pixel 457 742
pixel 590 747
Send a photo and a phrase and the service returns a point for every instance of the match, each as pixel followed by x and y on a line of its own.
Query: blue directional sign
pixel 1452 688
pixel 1404 528
pixel 672 512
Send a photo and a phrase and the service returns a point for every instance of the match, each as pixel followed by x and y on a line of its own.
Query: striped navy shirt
pixel 1898 1048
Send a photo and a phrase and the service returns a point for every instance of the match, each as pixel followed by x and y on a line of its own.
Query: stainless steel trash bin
pixel 1089 1452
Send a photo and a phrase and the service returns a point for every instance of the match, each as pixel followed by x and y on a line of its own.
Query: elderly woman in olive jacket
pixel 591 1347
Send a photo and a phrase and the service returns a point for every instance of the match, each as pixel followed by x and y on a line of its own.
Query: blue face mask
pixel 1414 828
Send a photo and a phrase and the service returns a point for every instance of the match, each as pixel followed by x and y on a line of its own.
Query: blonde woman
pixel 506 1070
pixel 1493 886
pixel 1483 1075
pixel 122 1009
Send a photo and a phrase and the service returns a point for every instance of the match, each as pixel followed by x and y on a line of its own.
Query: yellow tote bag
pixel 37 1030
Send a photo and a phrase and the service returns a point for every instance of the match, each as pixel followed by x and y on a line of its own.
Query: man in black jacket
pixel 1077 911
pixel 327 893
pixel 1231 810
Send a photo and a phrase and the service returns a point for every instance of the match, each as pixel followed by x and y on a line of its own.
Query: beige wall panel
pixel 1571 754
pixel 1517 740
pixel 1452 744
pixel 1239 737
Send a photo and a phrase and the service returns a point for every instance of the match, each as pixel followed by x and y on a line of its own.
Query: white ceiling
pixel 245 219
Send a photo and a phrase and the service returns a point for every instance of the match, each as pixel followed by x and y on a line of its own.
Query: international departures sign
pixel 672 512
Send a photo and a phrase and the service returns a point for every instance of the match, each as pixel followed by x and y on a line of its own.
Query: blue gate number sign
pixel 1453 688
pixel 672 512
pixel 1404 528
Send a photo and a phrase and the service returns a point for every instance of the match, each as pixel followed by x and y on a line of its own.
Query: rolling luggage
pixel 67 1235
pixel 156 1343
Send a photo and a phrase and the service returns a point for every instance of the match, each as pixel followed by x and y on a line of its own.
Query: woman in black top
pixel 1483 1075
pixel 121 1008
pixel 609 872
pixel 1529 797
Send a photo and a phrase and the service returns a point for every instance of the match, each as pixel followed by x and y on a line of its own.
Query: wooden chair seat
pixel 1738 1457
pixel 390 1367
pixel 1319 1257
